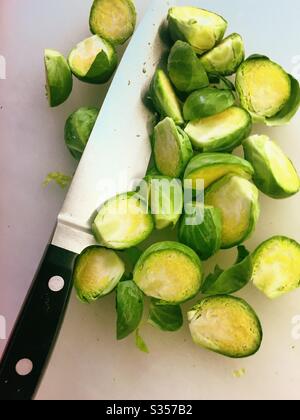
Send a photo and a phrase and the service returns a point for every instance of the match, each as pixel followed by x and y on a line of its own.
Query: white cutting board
pixel 88 363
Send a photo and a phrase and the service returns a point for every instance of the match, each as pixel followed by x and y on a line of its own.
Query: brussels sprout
pixel 170 272
pixel 93 60
pixel 166 200
pixel 222 132
pixel 114 20
pixel 200 28
pixel 276 268
pixel 204 237
pixel 263 86
pixel 226 282
pixel 237 198
pixel 59 82
pixel 275 174
pixel 226 325
pixel 210 167
pixel 207 102
pixel 97 272
pixel 164 97
pixel 185 69
pixel 226 57
pixel 78 129
pixel 165 317
pixel 122 222
pixel 290 109
pixel 130 307
pixel 172 148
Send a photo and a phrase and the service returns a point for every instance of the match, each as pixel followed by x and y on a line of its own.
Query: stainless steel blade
pixel 119 150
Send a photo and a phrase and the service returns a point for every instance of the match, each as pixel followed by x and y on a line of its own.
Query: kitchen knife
pixel 116 156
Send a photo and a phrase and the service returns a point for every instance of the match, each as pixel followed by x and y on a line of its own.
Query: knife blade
pixel 117 155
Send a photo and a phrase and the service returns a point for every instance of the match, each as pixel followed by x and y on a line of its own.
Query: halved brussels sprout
pixel 210 167
pixel 222 132
pixel 166 200
pixel 123 222
pixel 78 129
pixel 114 20
pixel 290 109
pixel 274 174
pixel 226 325
pixel 276 268
pixel 170 272
pixel 97 272
pixel 263 86
pixel 200 28
pixel 185 69
pixel 93 60
pixel 59 82
pixel 226 57
pixel 238 200
pixel 207 102
pixel 164 97
pixel 172 148
pixel 203 236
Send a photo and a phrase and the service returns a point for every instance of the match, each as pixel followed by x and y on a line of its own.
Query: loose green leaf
pixel 130 307
pixel 140 343
pixel 165 317
pixel 59 178
pixel 231 280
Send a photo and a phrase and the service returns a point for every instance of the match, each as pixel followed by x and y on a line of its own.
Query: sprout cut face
pixel 276 269
pixel 97 272
pixel 200 28
pixel 122 222
pixel 113 20
pixel 164 97
pixel 226 325
pixel 93 60
pixel 275 174
pixel 222 132
pixel 238 200
pixel 172 148
pixel 210 167
pixel 226 57
pixel 170 272
pixel 264 87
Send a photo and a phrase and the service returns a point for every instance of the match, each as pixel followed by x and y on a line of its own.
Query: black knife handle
pixel 37 327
